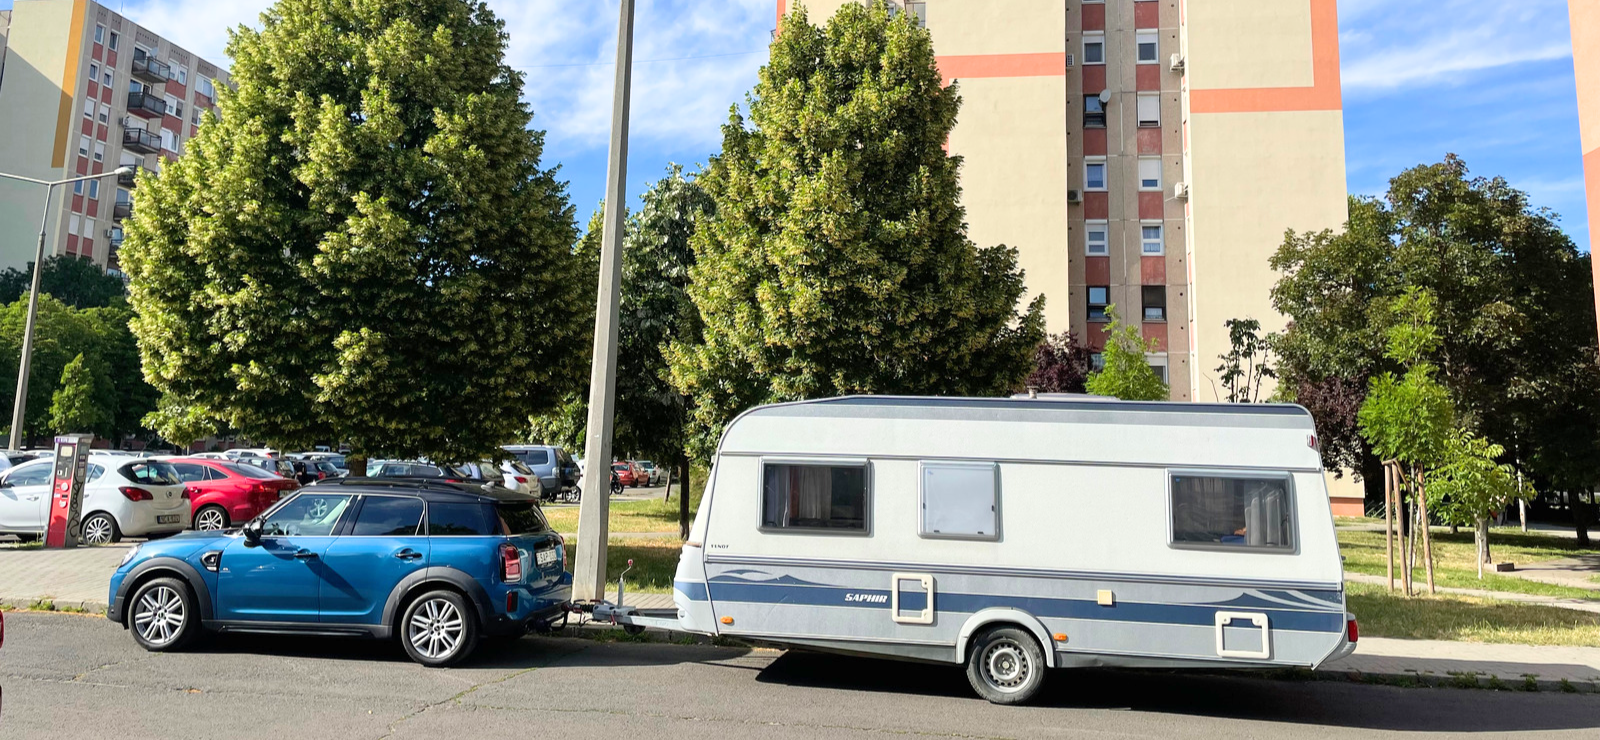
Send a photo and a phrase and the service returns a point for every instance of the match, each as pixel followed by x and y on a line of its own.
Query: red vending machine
pixel 66 490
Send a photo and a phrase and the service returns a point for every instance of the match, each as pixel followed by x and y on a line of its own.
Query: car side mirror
pixel 252 533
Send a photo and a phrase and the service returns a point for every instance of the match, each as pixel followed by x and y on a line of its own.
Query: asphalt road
pixel 68 676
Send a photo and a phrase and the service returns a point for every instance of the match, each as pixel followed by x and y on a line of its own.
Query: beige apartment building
pixel 84 90
pixel 1585 16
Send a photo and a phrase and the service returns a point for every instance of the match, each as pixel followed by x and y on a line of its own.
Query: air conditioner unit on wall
pixel 1181 191
pixel 1177 63
pixel 1074 196
pixel 1072 60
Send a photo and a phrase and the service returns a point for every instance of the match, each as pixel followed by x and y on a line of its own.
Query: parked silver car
pixel 558 473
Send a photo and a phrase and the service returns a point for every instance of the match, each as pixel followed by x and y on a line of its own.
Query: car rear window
pixel 521 518
pixel 460 520
pixel 249 471
pixel 534 457
pixel 153 472
pixel 522 469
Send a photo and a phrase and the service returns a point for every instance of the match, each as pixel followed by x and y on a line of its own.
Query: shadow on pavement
pixel 527 652
pixel 1236 696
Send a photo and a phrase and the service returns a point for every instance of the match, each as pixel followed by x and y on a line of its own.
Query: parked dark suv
pixel 438 565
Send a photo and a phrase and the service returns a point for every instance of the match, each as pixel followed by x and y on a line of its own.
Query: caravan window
pixel 960 500
pixel 831 497
pixel 1243 511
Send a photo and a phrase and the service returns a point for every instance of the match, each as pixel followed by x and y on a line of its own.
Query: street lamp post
pixel 589 573
pixel 20 408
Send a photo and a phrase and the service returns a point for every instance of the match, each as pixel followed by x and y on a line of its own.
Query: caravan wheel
pixel 1005 665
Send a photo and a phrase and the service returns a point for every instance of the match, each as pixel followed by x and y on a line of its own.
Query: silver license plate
pixel 168 519
pixel 545 557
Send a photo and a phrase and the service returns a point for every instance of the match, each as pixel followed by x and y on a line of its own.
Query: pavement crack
pixel 129 661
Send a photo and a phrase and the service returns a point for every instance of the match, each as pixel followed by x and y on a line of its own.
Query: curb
pixel 1530 682
pixel 97 608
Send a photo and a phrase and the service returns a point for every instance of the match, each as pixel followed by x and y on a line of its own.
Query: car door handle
pixel 305 555
pixel 408 554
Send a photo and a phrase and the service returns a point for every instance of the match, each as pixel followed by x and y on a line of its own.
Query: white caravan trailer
pixel 1015 535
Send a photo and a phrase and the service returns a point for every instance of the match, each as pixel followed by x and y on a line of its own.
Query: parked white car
pixel 123 496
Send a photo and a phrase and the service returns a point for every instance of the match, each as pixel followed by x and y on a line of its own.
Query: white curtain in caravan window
pixel 814 493
pixel 1265 516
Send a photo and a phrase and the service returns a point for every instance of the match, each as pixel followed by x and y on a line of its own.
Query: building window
pixel 169 141
pixel 1094 48
pixel 1151 241
pixel 181 74
pixel 1097 240
pixel 106 77
pixel 77 188
pixel 113 45
pixel 1149 47
pixel 74 223
pixel 94 72
pixel 99 151
pixel 825 497
pixel 1150 173
pixel 1094 112
pixel 105 113
pixel 1099 298
pixel 1149 110
pixel 88 109
pixel 1236 510
pixel 83 146
pixel 99 34
pixel 1158 365
pixel 960 500
pixel 94 190
pixel 123 196
pixel 1097 361
pixel 204 87
pixel 1155 302
pixel 1094 174
pixel 918 11
pixel 174 107
pixel 88 228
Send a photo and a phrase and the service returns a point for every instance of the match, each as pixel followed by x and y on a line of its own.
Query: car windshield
pixel 152 472
pixel 249 471
pixel 620 467
pixel 534 457
pixel 521 518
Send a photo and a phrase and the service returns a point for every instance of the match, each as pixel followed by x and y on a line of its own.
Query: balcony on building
pixel 127 179
pixel 122 209
pixel 146 105
pixel 114 236
pixel 150 69
pixel 141 141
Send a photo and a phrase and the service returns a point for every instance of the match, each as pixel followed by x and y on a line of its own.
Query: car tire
pixel 1005 665
pixel 439 629
pixel 100 528
pixel 163 615
pixel 211 518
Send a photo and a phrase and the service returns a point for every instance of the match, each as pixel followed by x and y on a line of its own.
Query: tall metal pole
pixel 589 580
pixel 19 410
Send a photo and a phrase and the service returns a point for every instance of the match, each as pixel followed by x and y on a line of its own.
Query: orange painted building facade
pixel 1585 17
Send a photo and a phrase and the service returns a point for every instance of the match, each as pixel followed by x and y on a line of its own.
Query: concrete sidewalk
pixel 80 578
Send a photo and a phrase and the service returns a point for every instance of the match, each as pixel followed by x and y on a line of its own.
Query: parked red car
pixel 225 493
pixel 626 475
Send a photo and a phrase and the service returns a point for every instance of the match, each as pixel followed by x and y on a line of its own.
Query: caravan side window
pixel 960 500
pixel 1232 511
pixel 828 497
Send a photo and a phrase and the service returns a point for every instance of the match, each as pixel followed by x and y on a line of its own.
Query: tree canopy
pixel 1127 373
pixel 366 247
pixel 75 281
pixel 837 260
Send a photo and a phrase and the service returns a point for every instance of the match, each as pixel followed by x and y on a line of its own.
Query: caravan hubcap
pixel 435 628
pixel 1005 666
pixel 159 615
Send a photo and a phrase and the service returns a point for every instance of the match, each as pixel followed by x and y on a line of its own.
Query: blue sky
pixel 1492 82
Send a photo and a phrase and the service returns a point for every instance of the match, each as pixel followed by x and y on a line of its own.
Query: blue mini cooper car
pixel 439 565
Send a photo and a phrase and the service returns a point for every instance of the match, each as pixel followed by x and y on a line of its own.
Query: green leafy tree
pixel 75 281
pixel 1470 486
pixel 564 424
pixel 1409 418
pixel 837 261
pixel 61 334
pixel 1127 373
pixel 1505 278
pixel 366 247
pixel 1247 364
pixel 75 406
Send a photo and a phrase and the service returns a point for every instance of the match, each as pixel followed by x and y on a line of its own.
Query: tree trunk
pixel 1388 523
pixel 1427 535
pixel 356 464
pixel 1580 516
pixel 1480 539
pixel 670 467
pixel 683 499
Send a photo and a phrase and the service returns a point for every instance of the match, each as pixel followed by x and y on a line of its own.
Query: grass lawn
pixel 654 563
pixel 1448 617
pixel 1454 557
pixel 654 515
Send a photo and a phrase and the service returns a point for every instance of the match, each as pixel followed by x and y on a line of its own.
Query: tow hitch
pixel 632 620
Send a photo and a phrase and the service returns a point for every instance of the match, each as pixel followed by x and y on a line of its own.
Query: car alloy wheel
pixel 436 628
pixel 159 616
pixel 99 530
pixel 211 518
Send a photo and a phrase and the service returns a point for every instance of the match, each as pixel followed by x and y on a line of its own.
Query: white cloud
pixel 1390 45
pixel 682 102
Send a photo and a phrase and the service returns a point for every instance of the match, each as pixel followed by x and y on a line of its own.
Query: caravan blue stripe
pixel 958 603
pixel 695 590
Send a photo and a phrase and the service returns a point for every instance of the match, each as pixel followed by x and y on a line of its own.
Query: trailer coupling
pixel 631 619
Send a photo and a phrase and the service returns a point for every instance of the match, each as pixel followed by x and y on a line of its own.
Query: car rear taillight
pixel 1351 631
pixel 135 493
pixel 520 478
pixel 510 563
pixel 188 493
